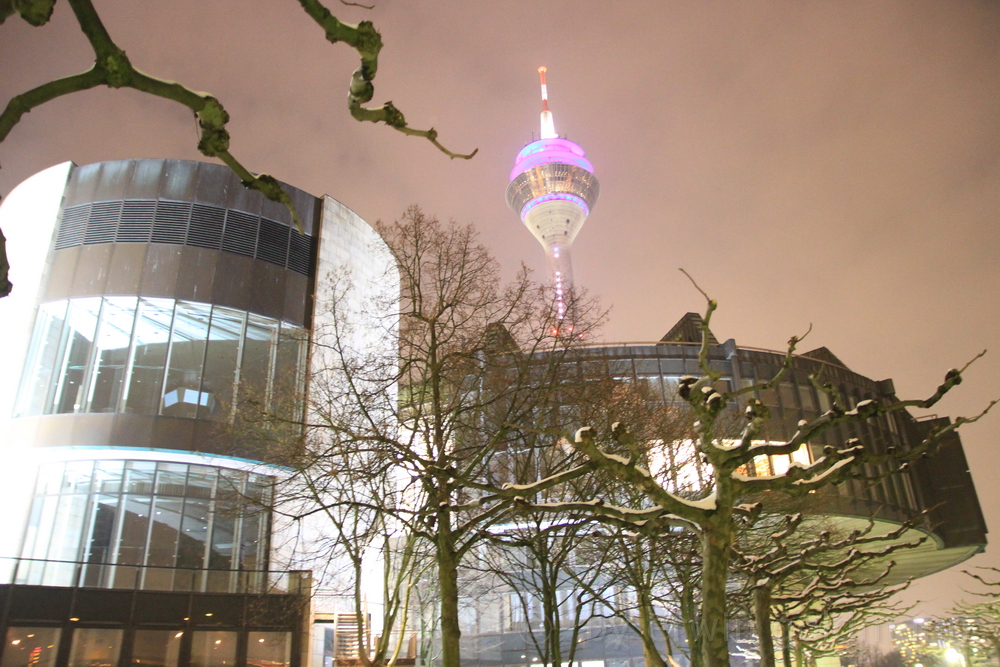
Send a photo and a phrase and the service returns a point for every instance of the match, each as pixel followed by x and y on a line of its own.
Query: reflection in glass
pixel 30 647
pixel 150 356
pixel 131 545
pixel 194 534
pixel 95 647
pixel 213 649
pixel 186 358
pixel 152 333
pixel 291 363
pixel 112 343
pixel 145 524
pixel 78 338
pixel 269 649
pixel 156 648
pixel 103 522
pixel 163 536
pixel 224 338
pixel 42 358
pixel 255 367
pixel 64 544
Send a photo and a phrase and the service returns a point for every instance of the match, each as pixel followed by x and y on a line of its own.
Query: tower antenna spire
pixel 548 124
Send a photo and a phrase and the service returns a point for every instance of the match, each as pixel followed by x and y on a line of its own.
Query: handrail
pixel 124 576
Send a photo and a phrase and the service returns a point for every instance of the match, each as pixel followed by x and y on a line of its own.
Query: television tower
pixel 552 188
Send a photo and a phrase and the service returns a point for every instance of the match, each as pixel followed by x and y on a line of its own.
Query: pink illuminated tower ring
pixel 553 188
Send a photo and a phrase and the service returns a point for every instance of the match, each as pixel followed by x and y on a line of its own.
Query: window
pixel 95 647
pixel 213 649
pixel 159 356
pixel 269 649
pixel 31 647
pixel 155 526
pixel 156 648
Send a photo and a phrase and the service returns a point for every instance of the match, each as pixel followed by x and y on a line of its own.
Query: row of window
pixel 103 647
pixel 146 525
pixel 157 356
pixel 184 223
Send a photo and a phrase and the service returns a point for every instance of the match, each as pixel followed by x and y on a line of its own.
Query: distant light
pixel 918 621
pixel 16 642
pixel 74 619
pixel 952 655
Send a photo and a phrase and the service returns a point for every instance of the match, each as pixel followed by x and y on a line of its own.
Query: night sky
pixel 832 163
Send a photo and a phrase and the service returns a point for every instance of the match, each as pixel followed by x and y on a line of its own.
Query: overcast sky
pixel 832 163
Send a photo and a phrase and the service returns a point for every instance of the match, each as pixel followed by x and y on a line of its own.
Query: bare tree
pixel 974 627
pixel 713 516
pixel 450 394
pixel 112 68
pixel 802 575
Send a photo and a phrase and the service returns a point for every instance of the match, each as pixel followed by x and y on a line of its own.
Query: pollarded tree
pixel 112 68
pixel 808 579
pixel 974 625
pixel 713 517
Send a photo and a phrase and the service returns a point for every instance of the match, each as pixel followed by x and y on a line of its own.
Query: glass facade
pixel 95 647
pixel 31 647
pixel 158 356
pixel 156 648
pixel 146 524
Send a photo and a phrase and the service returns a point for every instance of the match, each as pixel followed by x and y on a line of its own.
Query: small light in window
pixel 179 634
pixel 208 614
pixel 74 619
pixel 16 642
pixel 218 641
pixel 261 641
pixel 32 635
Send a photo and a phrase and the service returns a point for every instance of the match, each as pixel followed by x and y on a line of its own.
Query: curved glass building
pixel 171 297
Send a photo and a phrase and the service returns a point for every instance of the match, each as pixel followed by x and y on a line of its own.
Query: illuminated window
pixel 155 526
pixel 159 356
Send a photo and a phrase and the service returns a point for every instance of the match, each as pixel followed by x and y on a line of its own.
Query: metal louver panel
pixel 241 233
pixel 184 223
pixel 171 221
pixel 103 222
pixel 136 223
pixel 272 242
pixel 301 253
pixel 72 226
pixel 206 226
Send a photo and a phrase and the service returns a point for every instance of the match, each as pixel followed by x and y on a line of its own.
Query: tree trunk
pixel 447 562
pixel 716 543
pixel 649 650
pixel 689 617
pixel 762 617
pixel 786 644
pixel 550 614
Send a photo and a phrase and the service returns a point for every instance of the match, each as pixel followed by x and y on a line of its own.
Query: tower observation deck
pixel 553 188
